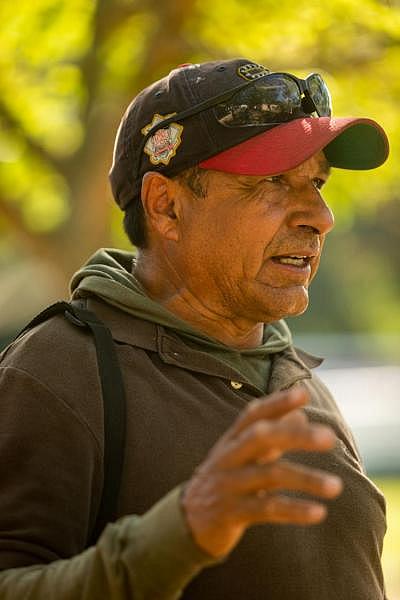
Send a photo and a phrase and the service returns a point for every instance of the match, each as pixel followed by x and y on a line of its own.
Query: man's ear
pixel 160 205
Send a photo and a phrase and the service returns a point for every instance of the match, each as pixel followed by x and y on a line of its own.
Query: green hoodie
pixel 108 275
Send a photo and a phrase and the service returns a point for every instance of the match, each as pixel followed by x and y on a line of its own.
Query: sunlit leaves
pixel 45 31
pixel 122 54
pixel 40 86
pixel 68 68
pixel 296 33
pixel 47 193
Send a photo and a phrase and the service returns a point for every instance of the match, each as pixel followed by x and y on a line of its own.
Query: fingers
pixel 281 405
pixel 271 407
pixel 264 441
pixel 264 479
pixel 280 509
pixel 237 485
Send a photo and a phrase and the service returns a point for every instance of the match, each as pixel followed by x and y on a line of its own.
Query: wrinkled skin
pixel 209 259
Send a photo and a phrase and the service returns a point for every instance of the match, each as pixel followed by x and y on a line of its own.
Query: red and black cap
pixel 186 139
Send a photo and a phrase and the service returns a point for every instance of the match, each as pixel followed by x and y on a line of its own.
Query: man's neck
pixel 179 301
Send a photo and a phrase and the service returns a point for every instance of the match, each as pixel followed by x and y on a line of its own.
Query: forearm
pixel 149 557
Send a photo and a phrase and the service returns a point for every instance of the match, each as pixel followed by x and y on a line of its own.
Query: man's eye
pixel 274 179
pixel 318 183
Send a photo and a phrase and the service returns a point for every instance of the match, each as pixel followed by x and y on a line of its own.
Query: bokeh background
pixel 67 71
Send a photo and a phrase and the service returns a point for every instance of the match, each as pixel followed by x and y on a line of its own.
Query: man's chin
pixel 288 303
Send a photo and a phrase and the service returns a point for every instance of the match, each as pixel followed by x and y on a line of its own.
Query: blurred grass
pixel 391 550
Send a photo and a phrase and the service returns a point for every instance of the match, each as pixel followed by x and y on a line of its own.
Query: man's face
pixel 249 249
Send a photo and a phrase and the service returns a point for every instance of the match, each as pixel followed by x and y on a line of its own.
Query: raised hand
pixel 241 481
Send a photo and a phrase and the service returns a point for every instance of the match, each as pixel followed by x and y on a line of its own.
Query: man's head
pixel 255 147
pixel 247 246
pixel 198 112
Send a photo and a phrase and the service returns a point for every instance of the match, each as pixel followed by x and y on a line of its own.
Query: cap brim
pixel 348 143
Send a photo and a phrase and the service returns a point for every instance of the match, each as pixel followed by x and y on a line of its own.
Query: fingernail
pixel 322 435
pixel 296 394
pixel 317 512
pixel 333 484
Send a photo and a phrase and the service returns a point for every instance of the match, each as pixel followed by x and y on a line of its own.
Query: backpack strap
pixel 114 404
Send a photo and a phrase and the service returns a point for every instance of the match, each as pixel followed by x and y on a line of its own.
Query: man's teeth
pixel 297 261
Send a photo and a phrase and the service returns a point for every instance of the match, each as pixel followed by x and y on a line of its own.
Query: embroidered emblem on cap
pixel 162 145
pixel 252 71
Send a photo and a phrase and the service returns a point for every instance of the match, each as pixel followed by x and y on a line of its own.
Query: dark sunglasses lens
pixel 271 99
pixel 320 95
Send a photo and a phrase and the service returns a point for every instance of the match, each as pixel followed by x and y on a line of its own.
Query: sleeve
pixel 151 557
pixel 50 472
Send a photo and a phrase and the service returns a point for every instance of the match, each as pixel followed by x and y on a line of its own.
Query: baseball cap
pixel 191 134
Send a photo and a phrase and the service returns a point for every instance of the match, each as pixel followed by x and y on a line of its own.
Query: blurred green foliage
pixel 68 69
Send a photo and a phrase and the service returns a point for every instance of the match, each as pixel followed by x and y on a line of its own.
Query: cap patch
pixel 252 71
pixel 162 145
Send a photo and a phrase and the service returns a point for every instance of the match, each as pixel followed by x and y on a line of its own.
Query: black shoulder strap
pixel 114 404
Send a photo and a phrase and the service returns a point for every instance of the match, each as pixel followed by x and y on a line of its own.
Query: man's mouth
pixel 296 261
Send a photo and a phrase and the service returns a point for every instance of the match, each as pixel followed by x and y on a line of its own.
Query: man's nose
pixel 311 210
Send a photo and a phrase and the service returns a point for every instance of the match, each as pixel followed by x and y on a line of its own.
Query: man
pixel 247 479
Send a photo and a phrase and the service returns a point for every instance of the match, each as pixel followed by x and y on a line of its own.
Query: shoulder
pixel 324 408
pixel 49 347
pixel 60 358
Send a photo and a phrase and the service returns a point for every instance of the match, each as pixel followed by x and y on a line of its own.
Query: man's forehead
pixel 317 163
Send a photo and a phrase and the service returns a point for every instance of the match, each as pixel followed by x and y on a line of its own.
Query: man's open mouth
pixel 296 261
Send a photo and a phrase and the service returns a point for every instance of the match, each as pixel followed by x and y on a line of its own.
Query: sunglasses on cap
pixel 269 100
pixel 275 98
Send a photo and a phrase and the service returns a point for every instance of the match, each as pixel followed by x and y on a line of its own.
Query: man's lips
pixel 300 261
pixel 292 268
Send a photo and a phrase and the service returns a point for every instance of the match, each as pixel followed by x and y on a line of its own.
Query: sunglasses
pixel 270 100
pixel 275 98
